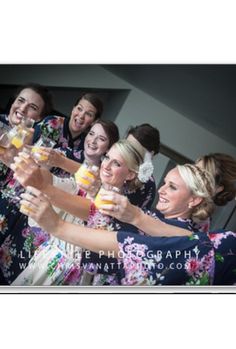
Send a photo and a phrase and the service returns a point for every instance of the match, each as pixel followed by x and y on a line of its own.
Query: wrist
pixel 57 227
pixel 137 216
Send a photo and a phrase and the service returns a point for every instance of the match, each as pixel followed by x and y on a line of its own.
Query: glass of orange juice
pixel 86 169
pixel 37 150
pixel 19 137
pixel 24 207
pixel 19 133
pixel 98 201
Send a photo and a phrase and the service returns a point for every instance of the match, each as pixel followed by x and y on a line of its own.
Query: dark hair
pixel 223 168
pixel 147 135
pixel 94 100
pixel 43 92
pixel 111 130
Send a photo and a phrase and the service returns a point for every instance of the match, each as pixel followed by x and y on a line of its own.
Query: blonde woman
pixel 167 253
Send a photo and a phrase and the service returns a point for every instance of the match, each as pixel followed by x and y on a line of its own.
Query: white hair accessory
pixel 146 168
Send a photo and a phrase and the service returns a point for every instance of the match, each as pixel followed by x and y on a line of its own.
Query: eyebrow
pixel 89 110
pixel 170 182
pixel 35 105
pixel 121 162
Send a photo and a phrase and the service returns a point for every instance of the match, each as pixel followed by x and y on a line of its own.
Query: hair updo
pixel 202 184
pixel 133 157
pixel 223 169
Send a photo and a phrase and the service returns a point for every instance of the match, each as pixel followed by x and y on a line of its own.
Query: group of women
pixel 56 235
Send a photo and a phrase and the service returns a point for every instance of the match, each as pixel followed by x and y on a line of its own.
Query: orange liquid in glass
pixel 17 142
pixel 83 172
pixel 26 208
pixel 40 157
pixel 98 201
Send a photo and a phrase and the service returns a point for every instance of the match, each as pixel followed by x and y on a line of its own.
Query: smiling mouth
pixel 106 174
pixel 78 122
pixel 92 147
pixel 19 115
pixel 162 200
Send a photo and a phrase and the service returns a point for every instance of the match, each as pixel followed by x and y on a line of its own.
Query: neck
pixel 181 216
pixel 94 160
pixel 74 134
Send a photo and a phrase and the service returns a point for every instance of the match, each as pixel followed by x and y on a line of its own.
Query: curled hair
pixel 202 184
pixel 147 135
pixel 223 169
pixel 133 158
pixel 43 92
pixel 94 100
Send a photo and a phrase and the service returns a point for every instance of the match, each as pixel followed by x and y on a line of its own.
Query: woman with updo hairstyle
pixel 223 168
pixel 202 184
pixel 156 248
pixel 147 137
pixel 120 164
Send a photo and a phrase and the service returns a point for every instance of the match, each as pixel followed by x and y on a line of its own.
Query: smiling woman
pixel 173 255
pixel 120 165
pixel 16 234
pixel 27 104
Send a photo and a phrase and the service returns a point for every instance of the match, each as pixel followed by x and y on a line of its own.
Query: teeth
pixel 105 174
pixel 163 200
pixel 78 121
pixel 92 147
pixel 19 115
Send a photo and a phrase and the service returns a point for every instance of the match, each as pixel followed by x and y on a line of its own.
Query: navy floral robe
pixel 151 261
pixel 224 243
pixel 18 241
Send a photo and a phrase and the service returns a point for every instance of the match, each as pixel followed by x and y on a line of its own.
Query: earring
pixel 189 206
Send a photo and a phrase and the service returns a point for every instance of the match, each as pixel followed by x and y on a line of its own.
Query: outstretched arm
pixel 56 159
pixel 123 210
pixel 36 205
pixel 28 172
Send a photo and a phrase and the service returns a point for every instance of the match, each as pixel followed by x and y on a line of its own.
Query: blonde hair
pixel 202 184
pixel 133 157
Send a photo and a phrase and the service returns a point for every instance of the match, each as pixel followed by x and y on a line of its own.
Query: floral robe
pixel 143 196
pixel 151 261
pixel 224 243
pixel 17 240
pixel 57 262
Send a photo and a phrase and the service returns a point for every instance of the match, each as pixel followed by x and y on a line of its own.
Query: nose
pixel 107 164
pixel 23 107
pixel 162 189
pixel 94 140
pixel 82 114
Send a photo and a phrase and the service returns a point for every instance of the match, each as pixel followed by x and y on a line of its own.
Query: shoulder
pixel 53 120
pixel 4 119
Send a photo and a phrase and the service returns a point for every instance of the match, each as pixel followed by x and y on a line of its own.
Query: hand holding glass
pixel 98 200
pixel 85 174
pixel 38 152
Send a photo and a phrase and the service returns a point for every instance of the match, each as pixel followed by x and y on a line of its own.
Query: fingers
pixel 35 193
pixel 24 162
pixel 31 200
